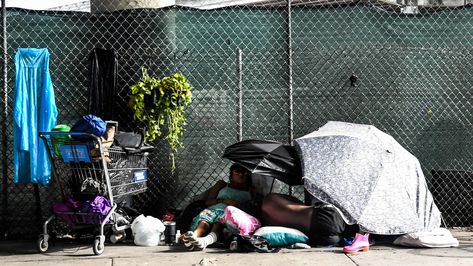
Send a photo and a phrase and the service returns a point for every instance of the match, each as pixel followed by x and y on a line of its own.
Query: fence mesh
pixel 404 69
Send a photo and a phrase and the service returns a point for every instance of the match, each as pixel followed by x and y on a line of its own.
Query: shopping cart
pixel 84 168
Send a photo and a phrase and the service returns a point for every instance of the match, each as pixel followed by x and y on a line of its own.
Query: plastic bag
pixel 147 230
pixel 129 139
pixel 132 142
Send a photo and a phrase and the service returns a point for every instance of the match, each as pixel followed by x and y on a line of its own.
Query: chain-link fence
pixel 404 69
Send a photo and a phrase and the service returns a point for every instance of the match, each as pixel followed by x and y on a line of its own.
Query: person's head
pixel 239 175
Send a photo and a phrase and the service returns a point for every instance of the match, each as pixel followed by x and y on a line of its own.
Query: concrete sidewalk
pixel 63 253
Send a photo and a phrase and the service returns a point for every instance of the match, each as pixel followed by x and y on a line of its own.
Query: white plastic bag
pixel 147 230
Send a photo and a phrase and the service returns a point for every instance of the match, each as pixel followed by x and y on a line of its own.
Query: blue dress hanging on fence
pixel 34 110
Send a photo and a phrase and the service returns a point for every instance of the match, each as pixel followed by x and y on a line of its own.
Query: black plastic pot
pixel 150 100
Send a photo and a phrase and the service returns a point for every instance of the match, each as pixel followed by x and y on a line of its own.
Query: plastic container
pixel 170 232
pixel 57 140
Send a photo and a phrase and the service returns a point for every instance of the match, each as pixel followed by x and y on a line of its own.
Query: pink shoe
pixel 361 243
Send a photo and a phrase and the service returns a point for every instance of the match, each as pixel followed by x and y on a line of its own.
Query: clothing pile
pixel 75 211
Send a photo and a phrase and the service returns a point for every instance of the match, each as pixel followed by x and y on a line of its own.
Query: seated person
pixel 322 223
pixel 221 195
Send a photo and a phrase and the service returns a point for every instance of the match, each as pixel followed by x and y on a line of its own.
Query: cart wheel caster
pixel 99 245
pixel 42 244
pixel 119 236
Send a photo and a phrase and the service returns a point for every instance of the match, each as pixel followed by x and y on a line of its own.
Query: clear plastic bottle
pixel 178 235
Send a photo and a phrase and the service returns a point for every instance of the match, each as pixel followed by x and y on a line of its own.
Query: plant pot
pixel 150 99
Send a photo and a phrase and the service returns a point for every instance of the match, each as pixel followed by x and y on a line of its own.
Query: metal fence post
pixel 4 124
pixel 289 73
pixel 290 121
pixel 239 76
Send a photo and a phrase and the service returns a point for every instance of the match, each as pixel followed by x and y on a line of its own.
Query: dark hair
pixel 239 167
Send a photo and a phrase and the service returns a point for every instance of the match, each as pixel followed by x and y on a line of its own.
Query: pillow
pixel 279 236
pixel 238 221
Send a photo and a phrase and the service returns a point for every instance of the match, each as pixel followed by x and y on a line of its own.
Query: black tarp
pixel 102 83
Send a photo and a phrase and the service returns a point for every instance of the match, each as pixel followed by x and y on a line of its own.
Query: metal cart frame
pixel 71 158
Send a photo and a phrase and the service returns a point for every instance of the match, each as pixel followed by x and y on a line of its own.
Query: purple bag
pixel 99 207
pixel 68 205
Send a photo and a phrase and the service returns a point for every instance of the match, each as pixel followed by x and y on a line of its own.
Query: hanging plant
pixel 162 101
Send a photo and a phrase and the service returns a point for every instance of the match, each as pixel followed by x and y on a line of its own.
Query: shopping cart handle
pixel 77 134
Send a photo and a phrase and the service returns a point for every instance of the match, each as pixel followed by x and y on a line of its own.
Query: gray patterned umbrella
pixel 370 177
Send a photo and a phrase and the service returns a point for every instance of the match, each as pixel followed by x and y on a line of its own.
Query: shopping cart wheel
pixel 99 245
pixel 117 236
pixel 113 239
pixel 42 244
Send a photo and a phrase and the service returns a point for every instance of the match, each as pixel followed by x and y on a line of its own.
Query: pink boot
pixel 361 243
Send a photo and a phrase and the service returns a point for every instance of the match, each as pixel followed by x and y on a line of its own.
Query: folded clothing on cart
pixel 107 141
pixel 91 211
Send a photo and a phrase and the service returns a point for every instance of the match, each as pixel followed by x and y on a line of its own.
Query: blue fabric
pixel 34 110
pixel 90 124
pixel 209 215
pixel 234 194
pixel 212 213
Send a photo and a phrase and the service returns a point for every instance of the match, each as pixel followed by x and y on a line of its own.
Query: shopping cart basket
pixel 83 168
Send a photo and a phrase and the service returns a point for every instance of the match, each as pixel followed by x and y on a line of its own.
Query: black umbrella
pixel 268 158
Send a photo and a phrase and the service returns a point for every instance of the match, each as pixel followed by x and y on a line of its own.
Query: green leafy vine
pixel 173 94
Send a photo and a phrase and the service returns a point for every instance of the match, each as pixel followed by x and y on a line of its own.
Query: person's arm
pixel 213 192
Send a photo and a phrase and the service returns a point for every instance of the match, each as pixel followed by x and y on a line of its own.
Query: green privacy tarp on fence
pixel 411 81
